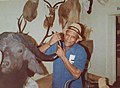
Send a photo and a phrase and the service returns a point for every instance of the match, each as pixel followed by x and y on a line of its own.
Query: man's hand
pixel 61 52
pixel 55 38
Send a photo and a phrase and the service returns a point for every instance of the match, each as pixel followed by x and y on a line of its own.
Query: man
pixel 72 57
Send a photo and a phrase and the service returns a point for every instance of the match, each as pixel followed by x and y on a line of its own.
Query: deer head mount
pixel 48 22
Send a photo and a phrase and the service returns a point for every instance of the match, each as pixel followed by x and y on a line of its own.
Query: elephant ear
pixel 33 64
pixel 36 67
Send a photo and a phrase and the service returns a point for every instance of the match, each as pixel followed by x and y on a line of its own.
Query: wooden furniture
pixel 45 82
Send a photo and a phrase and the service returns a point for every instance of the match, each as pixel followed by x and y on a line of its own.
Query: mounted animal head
pixel 30 10
pixel 29 14
pixel 87 4
pixel 15 51
pixel 17 48
pixel 69 12
pixel 48 22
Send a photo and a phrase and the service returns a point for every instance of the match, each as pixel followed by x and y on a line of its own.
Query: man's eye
pixel 73 37
pixel 67 35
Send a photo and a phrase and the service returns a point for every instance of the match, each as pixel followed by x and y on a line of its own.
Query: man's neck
pixel 67 47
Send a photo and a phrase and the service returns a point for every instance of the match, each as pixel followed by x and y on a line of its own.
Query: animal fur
pixel 19 56
pixel 15 79
pixel 69 12
pixel 30 10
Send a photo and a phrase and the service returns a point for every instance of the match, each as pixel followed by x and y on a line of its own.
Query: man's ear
pixel 79 39
pixel 61 35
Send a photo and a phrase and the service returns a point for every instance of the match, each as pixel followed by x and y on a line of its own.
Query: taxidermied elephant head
pixel 19 47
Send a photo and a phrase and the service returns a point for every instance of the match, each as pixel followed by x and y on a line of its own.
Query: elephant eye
pixel 20 51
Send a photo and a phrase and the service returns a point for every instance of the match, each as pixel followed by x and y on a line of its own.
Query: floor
pixel 115 85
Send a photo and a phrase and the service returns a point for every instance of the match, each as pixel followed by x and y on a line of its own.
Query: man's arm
pixel 55 38
pixel 71 68
pixel 45 46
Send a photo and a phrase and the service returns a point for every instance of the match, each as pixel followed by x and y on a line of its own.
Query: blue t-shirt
pixel 77 56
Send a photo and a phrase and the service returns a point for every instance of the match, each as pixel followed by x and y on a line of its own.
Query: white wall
pixel 103 57
pixel 12 9
pixel 102 21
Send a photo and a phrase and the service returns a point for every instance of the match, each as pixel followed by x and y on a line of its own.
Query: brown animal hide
pixel 69 12
pixel 15 79
pixel 30 10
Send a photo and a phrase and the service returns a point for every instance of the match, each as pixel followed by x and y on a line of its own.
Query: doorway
pixel 118 46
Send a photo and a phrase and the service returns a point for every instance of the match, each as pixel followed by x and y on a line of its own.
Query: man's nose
pixel 69 38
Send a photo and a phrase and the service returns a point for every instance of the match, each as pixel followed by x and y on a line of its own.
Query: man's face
pixel 70 38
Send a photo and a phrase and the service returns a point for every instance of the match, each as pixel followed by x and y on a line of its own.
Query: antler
pixel 47 33
pixel 47 3
pixel 54 4
pixel 58 3
pixel 20 20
